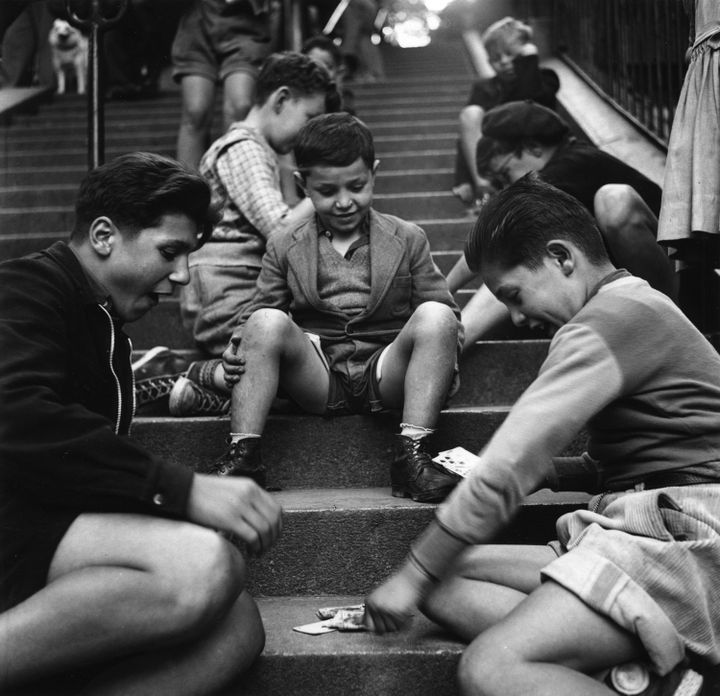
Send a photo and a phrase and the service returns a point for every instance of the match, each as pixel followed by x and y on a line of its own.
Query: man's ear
pixel 375 166
pixel 102 234
pixel 279 98
pixel 561 254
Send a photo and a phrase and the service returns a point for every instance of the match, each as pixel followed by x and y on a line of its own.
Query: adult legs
pixel 198 94
pixel 239 88
pixel 418 366
pixel 276 351
pixel 142 593
pixel 629 228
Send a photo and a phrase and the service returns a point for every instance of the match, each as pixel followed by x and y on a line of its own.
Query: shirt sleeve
pixel 579 377
pixel 52 446
pixel 252 184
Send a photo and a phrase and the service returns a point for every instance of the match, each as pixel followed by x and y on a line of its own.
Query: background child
pixel 373 325
pixel 517 75
pixel 242 169
pixel 634 577
pixel 522 136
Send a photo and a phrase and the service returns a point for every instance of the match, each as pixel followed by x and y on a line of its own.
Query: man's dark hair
pixel 515 225
pixel 334 140
pixel 296 71
pixel 136 190
pixel 324 43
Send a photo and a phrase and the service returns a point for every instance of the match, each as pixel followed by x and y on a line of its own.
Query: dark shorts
pixel 234 43
pixel 359 395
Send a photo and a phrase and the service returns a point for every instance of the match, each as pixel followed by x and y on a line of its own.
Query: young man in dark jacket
pixel 112 573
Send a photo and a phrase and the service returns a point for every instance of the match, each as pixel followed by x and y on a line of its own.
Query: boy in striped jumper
pixel 636 576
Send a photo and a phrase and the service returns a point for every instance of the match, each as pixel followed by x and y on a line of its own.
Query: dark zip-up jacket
pixel 66 404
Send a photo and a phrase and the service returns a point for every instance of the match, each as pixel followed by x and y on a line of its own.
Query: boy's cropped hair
pixel 296 71
pixel 515 225
pixel 324 43
pixel 505 30
pixel 136 190
pixel 334 140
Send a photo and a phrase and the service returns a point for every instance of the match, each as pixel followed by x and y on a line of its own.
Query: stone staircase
pixel 343 532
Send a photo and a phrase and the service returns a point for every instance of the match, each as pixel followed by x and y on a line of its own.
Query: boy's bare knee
pixel 437 317
pixel 197 116
pixel 615 205
pixel 264 324
pixel 205 583
pixel 481 668
pixel 471 116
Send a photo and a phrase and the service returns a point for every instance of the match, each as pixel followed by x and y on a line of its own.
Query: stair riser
pixel 351 552
pixel 310 452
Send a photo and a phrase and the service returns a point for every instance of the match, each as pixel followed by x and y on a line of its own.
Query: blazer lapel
pixel 302 258
pixel 386 253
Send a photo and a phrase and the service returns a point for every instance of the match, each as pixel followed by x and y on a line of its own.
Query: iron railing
pixel 631 51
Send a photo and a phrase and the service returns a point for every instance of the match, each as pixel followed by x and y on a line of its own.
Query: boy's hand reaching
pixel 237 505
pixel 389 607
pixel 233 362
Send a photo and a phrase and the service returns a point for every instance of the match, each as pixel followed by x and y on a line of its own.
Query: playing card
pixel 457 460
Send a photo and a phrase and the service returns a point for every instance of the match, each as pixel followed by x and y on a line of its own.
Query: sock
pixel 236 437
pixel 415 432
pixel 206 373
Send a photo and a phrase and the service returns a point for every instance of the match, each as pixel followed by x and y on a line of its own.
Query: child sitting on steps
pixel 351 315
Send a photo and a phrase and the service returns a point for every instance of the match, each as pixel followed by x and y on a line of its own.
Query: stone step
pixel 420 204
pixel 21 235
pixel 32 187
pixel 302 451
pixel 351 664
pixel 346 541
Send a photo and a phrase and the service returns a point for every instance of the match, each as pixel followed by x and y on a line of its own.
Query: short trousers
pixel 234 43
pixel 212 301
pixel 650 561
pixel 359 395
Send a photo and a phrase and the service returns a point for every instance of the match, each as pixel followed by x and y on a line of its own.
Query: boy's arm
pixel 253 186
pixel 578 379
pixel 52 448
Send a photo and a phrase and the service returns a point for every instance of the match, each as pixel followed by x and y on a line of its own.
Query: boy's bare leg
pixel 547 646
pixel 482 314
pixel 629 229
pixel 119 585
pixel 471 118
pixel 193 139
pixel 275 350
pixel 484 585
pixel 418 366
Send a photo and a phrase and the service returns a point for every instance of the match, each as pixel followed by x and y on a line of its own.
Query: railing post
pixel 95 17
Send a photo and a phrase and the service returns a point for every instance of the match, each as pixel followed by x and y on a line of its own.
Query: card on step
pixel 458 460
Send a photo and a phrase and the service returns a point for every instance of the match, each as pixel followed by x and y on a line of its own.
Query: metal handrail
pixel 95 17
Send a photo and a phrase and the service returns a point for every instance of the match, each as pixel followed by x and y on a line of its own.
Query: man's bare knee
pixel 471 116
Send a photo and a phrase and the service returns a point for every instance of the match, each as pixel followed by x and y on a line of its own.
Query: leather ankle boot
pixel 241 459
pixel 414 474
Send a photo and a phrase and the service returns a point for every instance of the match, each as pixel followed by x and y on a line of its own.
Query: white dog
pixel 69 48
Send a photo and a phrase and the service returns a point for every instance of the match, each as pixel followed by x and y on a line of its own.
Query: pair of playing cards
pixel 457 460
pixel 348 618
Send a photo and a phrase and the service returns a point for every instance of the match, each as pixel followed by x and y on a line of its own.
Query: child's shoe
pixel 155 373
pixel 634 679
pixel 414 474
pixel 241 459
pixel 190 399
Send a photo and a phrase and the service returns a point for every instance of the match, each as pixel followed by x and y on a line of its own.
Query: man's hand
pixel 233 362
pixel 237 505
pixel 390 606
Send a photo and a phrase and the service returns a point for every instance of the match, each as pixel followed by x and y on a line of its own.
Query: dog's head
pixel 63 35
